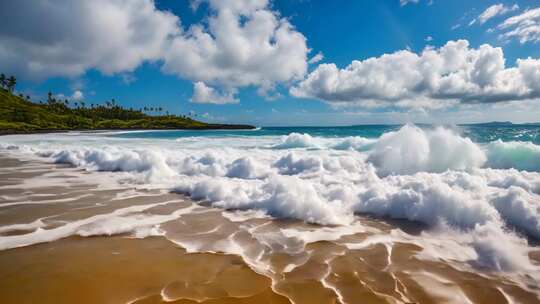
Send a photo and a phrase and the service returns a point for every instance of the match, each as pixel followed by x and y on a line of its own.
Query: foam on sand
pixel 433 176
pixel 124 220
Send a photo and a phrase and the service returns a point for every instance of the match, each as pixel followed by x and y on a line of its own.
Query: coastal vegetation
pixel 20 114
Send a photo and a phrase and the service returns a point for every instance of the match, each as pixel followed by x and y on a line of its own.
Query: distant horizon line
pixel 400 124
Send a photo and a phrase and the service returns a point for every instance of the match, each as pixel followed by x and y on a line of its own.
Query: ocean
pixel 464 198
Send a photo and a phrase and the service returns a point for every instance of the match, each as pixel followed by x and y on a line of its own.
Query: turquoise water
pixel 477 133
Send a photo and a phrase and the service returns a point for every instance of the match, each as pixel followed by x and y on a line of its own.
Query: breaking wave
pixel 411 149
pixel 435 177
pixel 517 155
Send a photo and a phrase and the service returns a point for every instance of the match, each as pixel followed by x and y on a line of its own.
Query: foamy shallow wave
pixel 302 140
pixel 433 176
pixel 518 155
pixel 124 220
pixel 411 149
pixel 297 140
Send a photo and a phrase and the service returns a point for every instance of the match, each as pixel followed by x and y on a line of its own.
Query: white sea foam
pixel 434 176
pixel 297 140
pixel 29 226
pixel 128 219
pixel 411 149
pixel 518 155
pixel 355 143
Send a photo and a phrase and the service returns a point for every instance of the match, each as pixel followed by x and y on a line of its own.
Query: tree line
pixel 8 83
pixel 108 110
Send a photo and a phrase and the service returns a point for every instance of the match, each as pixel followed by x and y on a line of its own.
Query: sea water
pixel 476 188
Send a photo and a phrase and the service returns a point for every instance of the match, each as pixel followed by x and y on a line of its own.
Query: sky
pixel 283 62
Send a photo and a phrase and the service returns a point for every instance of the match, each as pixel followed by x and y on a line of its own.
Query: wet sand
pixel 122 270
pixel 134 245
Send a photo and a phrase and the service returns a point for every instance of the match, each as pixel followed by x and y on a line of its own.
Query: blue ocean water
pixel 480 133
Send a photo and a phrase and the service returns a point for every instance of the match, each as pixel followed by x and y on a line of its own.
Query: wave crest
pixel 517 155
pixel 411 149
pixel 297 140
pixel 436 177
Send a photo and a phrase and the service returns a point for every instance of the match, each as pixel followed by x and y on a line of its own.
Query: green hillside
pixel 20 115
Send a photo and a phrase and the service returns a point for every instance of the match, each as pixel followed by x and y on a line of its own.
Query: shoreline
pixel 53 131
pixel 57 117
pixel 95 236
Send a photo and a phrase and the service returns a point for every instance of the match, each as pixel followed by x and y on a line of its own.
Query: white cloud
pixel 66 38
pixel 461 20
pixel 428 39
pixel 240 42
pixel 244 44
pixel 525 27
pixel 493 11
pixel 205 94
pixel 316 58
pixel 432 79
pixel 128 78
pixel 76 96
pixel 405 2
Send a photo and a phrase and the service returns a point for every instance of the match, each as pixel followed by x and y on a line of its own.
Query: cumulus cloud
pixel 525 27
pixel 240 43
pixel 244 44
pixel 435 77
pixel 66 38
pixel 493 11
pixel 205 94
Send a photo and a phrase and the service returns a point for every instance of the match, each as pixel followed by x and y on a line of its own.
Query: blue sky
pixel 276 91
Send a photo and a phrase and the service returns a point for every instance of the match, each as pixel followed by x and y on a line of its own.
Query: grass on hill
pixel 19 115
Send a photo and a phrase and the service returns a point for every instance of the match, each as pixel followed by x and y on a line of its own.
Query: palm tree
pixel 2 80
pixel 11 82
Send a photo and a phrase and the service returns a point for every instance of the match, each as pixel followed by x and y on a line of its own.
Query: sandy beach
pixel 74 241
pixel 270 152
